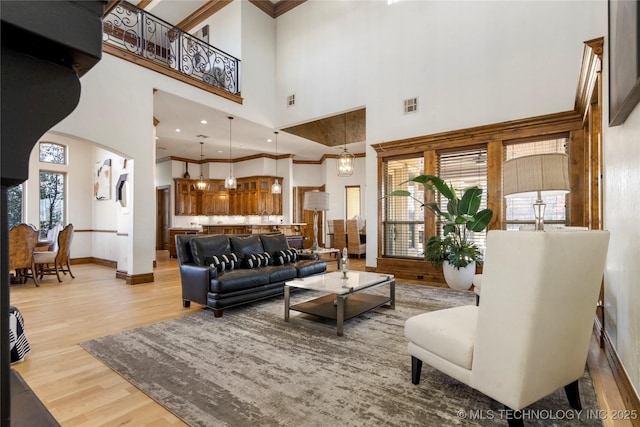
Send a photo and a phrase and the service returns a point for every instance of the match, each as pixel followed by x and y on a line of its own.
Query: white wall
pixel 96 222
pixel 621 179
pixel 469 63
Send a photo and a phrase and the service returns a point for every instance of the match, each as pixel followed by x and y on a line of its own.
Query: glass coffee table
pixel 345 298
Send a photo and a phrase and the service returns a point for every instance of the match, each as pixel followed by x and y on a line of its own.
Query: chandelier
pixel 276 188
pixel 346 160
pixel 230 181
pixel 201 184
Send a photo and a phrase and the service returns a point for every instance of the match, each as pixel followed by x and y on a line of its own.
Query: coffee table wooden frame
pixel 345 299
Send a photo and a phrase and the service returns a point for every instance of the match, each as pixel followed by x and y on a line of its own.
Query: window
pixel 53 153
pixel 519 210
pixel 353 200
pixel 464 169
pixel 403 217
pixel 52 189
pixel 14 205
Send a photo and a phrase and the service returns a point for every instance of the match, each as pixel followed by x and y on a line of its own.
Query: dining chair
pixel 530 334
pixel 52 235
pixel 354 247
pixel 54 262
pixel 339 234
pixel 22 241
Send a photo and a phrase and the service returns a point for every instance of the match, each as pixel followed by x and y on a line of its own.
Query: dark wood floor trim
pixel 627 392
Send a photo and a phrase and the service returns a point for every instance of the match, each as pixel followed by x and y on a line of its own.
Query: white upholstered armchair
pixel 530 335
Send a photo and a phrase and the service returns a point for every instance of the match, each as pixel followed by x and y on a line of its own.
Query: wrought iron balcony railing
pixel 131 28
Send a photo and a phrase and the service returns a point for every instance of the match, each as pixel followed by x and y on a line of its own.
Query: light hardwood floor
pixel 80 391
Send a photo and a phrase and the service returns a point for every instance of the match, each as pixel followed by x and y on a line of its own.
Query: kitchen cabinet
pixel 187 197
pixel 172 238
pixel 252 197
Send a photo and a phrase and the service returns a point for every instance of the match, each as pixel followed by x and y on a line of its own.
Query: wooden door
pixel 162 219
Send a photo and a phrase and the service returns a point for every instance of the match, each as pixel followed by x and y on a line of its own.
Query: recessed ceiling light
pixel 203 121
pixel 177 130
pixel 219 151
pixel 157 138
pixel 269 140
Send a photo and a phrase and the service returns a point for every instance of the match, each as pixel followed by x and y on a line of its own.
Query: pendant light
pixel 230 181
pixel 276 188
pixel 346 160
pixel 201 184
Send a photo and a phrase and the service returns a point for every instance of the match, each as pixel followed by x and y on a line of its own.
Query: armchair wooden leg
pixel 573 395
pixel 416 369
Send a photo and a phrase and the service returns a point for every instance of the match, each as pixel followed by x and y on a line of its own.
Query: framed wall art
pixel 624 59
pixel 102 180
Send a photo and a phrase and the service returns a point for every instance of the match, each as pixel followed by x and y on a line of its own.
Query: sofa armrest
pixel 195 282
pixel 313 257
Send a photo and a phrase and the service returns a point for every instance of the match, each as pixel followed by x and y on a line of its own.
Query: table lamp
pixel 316 201
pixel 533 176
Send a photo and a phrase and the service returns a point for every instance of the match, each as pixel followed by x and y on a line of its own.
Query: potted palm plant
pixel 455 252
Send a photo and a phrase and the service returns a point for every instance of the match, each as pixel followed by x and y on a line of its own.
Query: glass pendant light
pixel 201 184
pixel 230 181
pixel 276 188
pixel 346 160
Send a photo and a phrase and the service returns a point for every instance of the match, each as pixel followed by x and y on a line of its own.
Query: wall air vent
pixel 291 100
pixel 411 105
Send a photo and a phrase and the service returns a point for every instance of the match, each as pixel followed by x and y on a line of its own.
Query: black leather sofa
pixel 221 271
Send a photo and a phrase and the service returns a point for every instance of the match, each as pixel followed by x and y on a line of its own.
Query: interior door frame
pixel 163 216
pixel 302 215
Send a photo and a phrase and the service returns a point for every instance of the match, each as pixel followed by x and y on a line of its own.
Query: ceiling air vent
pixel 291 100
pixel 202 136
pixel 411 105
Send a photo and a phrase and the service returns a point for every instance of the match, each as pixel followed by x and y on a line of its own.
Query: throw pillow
pixel 286 256
pixel 257 260
pixel 224 262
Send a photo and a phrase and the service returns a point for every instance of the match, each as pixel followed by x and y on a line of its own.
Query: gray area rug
pixel 249 367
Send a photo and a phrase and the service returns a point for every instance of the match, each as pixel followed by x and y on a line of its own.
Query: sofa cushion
pixel 257 260
pixel 239 279
pixel 245 245
pixel 224 262
pixel 274 242
pixel 204 247
pixel 447 333
pixel 285 257
pixel 307 267
pixel 280 273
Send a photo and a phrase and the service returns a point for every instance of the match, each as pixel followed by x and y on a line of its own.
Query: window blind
pixel 464 169
pixel 403 217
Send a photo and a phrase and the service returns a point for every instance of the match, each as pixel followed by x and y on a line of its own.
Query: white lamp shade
pixel 546 173
pixel 316 201
pixel 276 188
pixel 230 182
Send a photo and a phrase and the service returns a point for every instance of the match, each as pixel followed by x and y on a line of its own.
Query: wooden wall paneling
pixel 549 124
pixel 430 168
pixel 595 165
pixel 578 180
pixel 495 201
pixel 380 202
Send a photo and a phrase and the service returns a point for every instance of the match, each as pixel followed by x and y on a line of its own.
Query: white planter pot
pixel 460 279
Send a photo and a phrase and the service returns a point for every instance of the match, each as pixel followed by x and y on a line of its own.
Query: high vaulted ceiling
pixel 306 142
